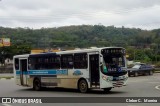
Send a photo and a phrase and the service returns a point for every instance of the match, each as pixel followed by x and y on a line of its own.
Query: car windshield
pixel 136 66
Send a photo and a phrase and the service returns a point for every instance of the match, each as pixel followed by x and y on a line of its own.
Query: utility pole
pixel 134 55
pixel 156 51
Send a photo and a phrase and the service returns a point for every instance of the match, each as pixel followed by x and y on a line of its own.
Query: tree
pixel 9 52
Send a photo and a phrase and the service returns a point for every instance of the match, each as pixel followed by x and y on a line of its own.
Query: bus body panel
pixel 61 79
pixel 68 78
pixel 107 81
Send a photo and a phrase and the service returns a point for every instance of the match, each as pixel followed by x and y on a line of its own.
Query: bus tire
pixel 83 86
pixel 37 84
pixel 106 89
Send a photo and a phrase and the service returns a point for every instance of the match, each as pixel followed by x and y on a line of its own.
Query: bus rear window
pixel 16 65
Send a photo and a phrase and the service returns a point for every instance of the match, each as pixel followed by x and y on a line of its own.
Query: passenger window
pixel 52 62
pixel 67 61
pixel 31 63
pixel 80 61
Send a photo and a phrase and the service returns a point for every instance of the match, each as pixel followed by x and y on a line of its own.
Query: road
pixel 142 86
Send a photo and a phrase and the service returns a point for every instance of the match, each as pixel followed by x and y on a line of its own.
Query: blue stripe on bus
pixel 43 72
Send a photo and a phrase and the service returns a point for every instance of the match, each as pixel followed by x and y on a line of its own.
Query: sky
pixel 144 14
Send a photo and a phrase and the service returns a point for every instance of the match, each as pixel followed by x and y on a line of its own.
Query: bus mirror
pixel 101 67
pixel 100 64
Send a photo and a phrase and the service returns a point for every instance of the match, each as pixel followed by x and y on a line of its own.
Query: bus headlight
pixel 107 78
pixel 104 78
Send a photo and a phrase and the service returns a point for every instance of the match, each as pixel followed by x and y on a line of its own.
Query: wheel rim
pixel 83 86
pixel 37 85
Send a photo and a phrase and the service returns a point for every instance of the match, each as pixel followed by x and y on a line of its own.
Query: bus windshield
pixel 114 60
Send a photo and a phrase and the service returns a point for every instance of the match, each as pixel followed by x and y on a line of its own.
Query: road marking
pixel 6 105
pixel 157 87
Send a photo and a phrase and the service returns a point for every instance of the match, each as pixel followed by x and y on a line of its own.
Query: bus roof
pixel 65 52
pixel 85 50
pixel 21 56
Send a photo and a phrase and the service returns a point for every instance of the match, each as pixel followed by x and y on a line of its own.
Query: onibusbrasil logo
pixel 21 100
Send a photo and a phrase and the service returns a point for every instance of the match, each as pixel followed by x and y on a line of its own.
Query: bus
pixel 84 69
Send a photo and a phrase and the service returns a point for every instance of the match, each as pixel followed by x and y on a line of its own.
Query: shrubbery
pixel 157 65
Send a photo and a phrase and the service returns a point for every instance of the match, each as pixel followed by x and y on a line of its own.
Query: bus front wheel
pixel 107 89
pixel 83 86
pixel 37 84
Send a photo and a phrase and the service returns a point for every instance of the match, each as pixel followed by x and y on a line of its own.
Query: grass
pixel 157 71
pixel 6 77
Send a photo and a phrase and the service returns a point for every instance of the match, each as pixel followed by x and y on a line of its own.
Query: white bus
pixel 97 68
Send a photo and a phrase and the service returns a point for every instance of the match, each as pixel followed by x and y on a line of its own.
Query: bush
pixel 157 65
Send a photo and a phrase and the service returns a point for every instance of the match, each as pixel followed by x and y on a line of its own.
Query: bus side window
pixel 80 61
pixel 54 62
pixel 57 62
pixel 67 61
pixel 31 63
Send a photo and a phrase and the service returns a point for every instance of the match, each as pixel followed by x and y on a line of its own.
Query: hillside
pixel 81 36
pixel 141 44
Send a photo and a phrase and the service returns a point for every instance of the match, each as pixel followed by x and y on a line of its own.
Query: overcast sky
pixel 143 14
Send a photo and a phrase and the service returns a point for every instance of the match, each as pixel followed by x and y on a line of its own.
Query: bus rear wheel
pixel 83 86
pixel 37 85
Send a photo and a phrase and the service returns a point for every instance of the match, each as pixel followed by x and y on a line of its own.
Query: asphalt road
pixel 142 86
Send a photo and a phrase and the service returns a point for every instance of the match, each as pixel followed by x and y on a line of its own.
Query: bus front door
pixel 23 71
pixel 94 70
